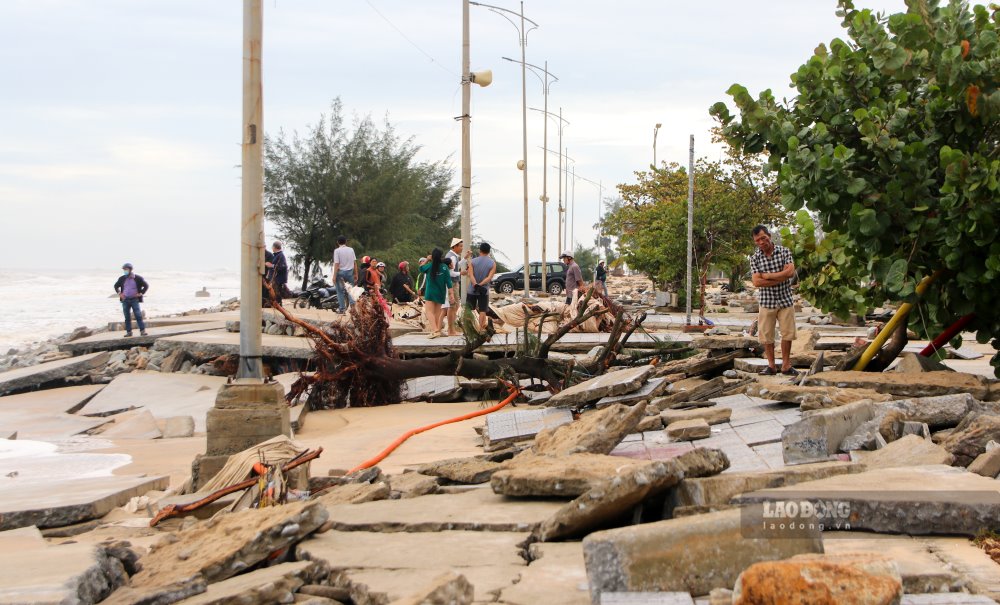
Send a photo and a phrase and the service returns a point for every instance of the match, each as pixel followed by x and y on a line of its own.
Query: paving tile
pixel 633 449
pixel 670 450
pixel 758 433
pixel 771 453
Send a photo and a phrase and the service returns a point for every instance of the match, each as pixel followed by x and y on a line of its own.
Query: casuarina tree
pixel 891 143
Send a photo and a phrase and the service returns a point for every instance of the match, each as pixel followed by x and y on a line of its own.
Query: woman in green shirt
pixel 436 290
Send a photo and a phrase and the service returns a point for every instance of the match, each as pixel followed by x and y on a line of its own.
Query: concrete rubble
pixel 649 483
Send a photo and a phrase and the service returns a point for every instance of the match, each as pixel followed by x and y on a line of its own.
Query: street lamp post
pixel 655 130
pixel 690 225
pixel 523 164
pixel 483 79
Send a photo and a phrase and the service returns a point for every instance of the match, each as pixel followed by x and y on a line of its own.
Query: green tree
pixel 363 182
pixel 891 142
pixel 587 258
pixel 650 222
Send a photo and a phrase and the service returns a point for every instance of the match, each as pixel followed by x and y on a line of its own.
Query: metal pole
pixel 690 234
pixel 545 170
pixel 572 219
pixel 252 213
pixel 560 179
pixel 466 145
pixel 600 242
pixel 524 152
pixel 566 208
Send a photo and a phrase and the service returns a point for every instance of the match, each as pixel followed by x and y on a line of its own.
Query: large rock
pixel 610 384
pixel 411 485
pixel 911 450
pixel 21 379
pixel 915 500
pixel 693 554
pixel 813 397
pixel 355 493
pixel 969 439
pixel 462 470
pixel 618 495
pixel 712 415
pixel 987 464
pixel 182 564
pixel 594 433
pixel 572 475
pixel 841 579
pixel 927 384
pixel 32 571
pixel 720 489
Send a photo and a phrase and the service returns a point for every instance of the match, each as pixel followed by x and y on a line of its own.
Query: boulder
pixel 616 496
pixel 411 485
pixel 595 432
pixel 987 464
pixel 649 423
pixel 686 430
pixel 711 415
pixel 969 439
pixel 694 554
pixel 532 475
pixel 610 384
pixel 842 579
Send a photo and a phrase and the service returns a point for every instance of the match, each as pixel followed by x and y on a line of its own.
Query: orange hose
pixel 402 438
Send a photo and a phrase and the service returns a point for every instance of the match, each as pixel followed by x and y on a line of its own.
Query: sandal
pixel 433 335
pixel 768 371
pixel 790 372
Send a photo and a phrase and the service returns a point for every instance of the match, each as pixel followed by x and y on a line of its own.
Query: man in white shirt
pixel 345 272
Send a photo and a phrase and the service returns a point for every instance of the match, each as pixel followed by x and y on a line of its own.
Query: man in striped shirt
pixel 772 270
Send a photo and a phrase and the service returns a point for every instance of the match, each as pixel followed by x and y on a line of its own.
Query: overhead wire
pixel 407 38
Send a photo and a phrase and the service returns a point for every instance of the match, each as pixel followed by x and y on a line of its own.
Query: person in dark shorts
pixel 480 271
pixel 130 288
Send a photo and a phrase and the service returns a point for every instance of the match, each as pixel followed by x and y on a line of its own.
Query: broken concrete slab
pixel 691 389
pixel 508 427
pixel 970 438
pixel 651 389
pixel 817 437
pixel 616 496
pixel 355 493
pixel 693 554
pixel 22 379
pixel 720 489
pixel 715 343
pixel 63 400
pixel 915 500
pixel 649 423
pixel 214 343
pixel 380 567
pixel 821 578
pixel 275 584
pixel 610 384
pixel 178 427
pixel 60 503
pixel 987 464
pixel 133 425
pixel 920 570
pixel 913 363
pixel 31 571
pixel 45 426
pixel 546 476
pixel 927 384
pixel 687 430
pixel 215 550
pixel 477 509
pixel 462 470
pixel 164 395
pixel 449 588
pixel 595 432
pixel 712 415
pixel 109 341
pixel 911 450
pixel 813 397
pixel 411 485
pixel 556 575
pixel 433 388
pixel 978 569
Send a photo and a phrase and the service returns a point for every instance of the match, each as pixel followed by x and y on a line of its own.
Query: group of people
pixel 438 279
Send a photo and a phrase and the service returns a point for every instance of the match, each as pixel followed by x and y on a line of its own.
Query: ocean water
pixel 37 306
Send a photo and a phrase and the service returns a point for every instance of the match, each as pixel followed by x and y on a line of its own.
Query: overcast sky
pixel 120 119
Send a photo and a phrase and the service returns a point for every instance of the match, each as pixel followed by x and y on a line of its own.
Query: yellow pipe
pixel 890 327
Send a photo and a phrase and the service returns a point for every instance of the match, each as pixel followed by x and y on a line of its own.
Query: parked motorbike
pixel 319 295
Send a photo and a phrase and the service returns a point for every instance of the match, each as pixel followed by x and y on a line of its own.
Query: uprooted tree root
pixel 357 366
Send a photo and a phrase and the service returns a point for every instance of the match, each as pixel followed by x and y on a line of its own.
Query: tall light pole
pixel 656 129
pixel 252 211
pixel 523 164
pixel 545 164
pixel 690 226
pixel 562 172
pixel 483 79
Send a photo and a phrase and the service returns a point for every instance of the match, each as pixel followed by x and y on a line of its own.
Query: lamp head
pixel 483 78
pixel 658 125
pixel 520 164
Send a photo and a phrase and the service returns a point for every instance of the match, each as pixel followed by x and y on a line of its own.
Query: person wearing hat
pixel 401 287
pixel 455 254
pixel 574 276
pixel 130 288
